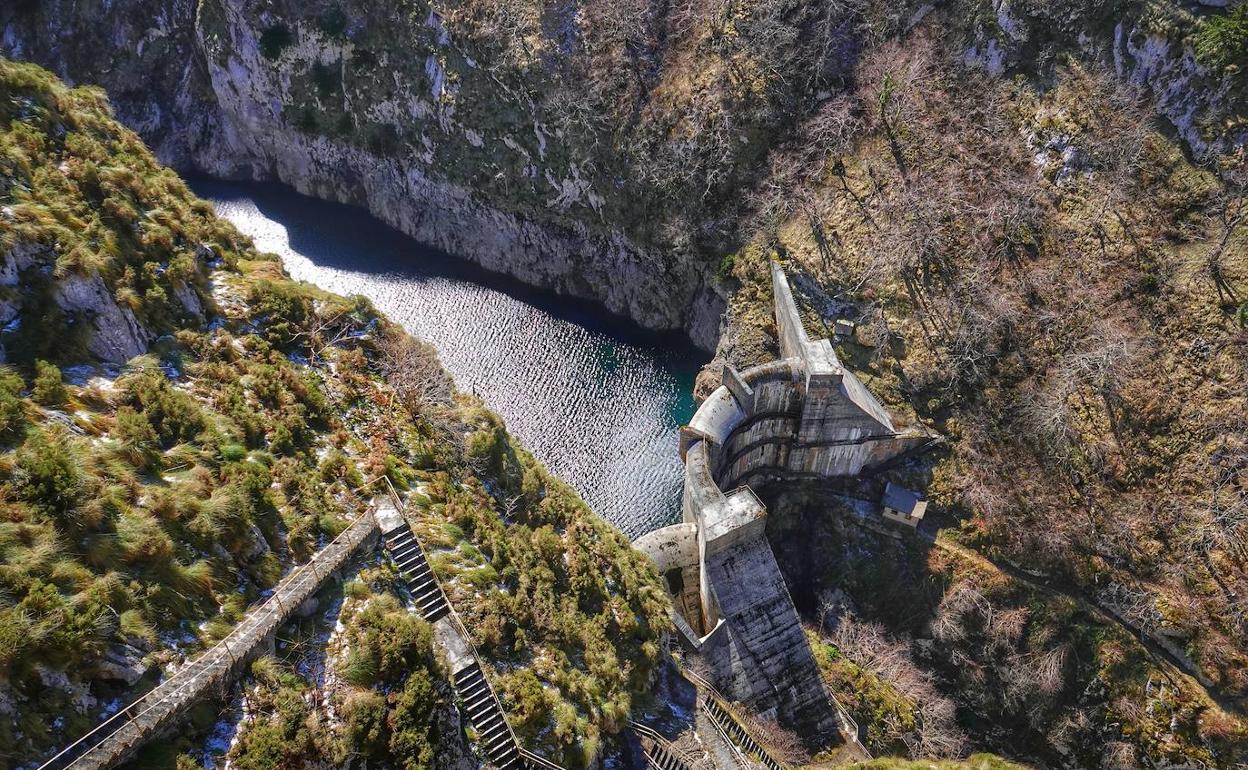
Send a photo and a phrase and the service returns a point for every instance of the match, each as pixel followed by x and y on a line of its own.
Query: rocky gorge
pixel 324 97
pixel 1022 224
pixel 221 107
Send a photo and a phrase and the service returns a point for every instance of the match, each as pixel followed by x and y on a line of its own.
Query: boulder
pixel 308 607
pixel 122 663
pixel 118 336
pixel 255 547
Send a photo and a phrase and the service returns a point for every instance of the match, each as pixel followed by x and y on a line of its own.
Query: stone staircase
pixel 416 573
pixel 483 709
pixel 732 729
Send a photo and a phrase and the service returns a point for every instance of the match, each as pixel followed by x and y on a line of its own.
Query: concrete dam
pixel 802 417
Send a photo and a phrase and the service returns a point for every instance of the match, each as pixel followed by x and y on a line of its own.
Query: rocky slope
pixel 598 150
pixel 149 501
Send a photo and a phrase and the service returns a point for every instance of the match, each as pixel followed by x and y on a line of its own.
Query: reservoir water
pixel 592 395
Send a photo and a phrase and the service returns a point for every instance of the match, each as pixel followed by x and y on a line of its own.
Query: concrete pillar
pixel 743 393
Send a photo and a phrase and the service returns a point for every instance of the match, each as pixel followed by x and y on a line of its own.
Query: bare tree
pixel 1231 211
pixel 412 368
pixel 935 732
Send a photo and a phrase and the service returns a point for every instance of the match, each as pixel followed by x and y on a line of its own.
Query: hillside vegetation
pixel 1034 212
pixel 1071 324
pixel 975 762
pixel 1044 277
pixel 146 506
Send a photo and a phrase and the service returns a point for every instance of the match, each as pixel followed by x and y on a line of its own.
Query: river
pixel 592 395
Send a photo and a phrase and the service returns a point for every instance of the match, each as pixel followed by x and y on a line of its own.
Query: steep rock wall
pixel 384 108
pixel 197 81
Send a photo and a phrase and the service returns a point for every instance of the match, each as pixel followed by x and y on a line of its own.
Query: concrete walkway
pixel 117 738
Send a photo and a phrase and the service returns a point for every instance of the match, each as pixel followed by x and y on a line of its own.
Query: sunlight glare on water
pixel 596 400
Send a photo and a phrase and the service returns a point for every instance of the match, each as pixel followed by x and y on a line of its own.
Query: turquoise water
pixel 592 395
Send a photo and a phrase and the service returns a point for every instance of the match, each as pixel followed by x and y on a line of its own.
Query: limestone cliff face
pixel 205 88
pixel 112 331
pixel 387 108
pixel 1147 47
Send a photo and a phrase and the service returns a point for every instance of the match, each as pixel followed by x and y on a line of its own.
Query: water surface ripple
pixel 594 397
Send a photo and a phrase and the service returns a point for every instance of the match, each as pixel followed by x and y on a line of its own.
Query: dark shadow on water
pixel 348 238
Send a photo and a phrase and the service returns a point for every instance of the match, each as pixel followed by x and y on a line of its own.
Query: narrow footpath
pixel 117 738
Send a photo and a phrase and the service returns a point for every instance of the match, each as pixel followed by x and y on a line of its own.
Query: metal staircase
pixel 416 573
pixel 660 754
pixel 479 702
pixel 486 715
pixel 735 732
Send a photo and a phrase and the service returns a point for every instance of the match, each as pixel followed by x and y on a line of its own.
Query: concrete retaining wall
pixel 674 550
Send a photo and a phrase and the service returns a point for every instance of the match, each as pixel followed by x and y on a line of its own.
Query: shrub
pixel 360 669
pixel 338 467
pixel 12 414
pixel 356 589
pixel 48 388
pixel 137 437
pixel 1223 40
pixel 364 724
pixel 51 475
pixel 174 415
pixel 274 40
pixel 284 309
pixel 411 742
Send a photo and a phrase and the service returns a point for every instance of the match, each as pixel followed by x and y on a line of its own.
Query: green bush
pixel 12 413
pixel 1223 40
pixel 137 436
pixel 411 742
pixel 48 388
pixel 360 669
pixel 174 415
pixel 52 476
pixel 365 727
pixel 283 309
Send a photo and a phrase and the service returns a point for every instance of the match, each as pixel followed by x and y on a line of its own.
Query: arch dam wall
pixel 802 417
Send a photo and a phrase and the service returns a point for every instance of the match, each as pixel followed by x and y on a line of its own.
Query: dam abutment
pixel 802 417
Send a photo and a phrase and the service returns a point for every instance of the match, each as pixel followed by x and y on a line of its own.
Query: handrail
pixel 847 720
pixel 530 756
pixel 742 761
pixel 683 755
pixel 458 623
pixel 745 489
pixel 728 708
pixel 243 627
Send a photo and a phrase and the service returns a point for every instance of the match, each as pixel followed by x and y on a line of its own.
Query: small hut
pixel 903 506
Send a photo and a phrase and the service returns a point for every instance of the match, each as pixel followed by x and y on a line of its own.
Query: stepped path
pixel 738 735
pixel 479 701
pixel 118 737
pixel 662 754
